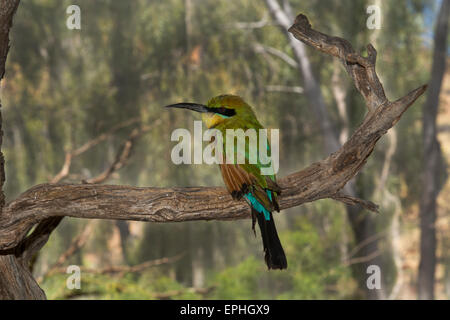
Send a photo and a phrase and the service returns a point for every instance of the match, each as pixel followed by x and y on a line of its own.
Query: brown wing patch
pixel 236 179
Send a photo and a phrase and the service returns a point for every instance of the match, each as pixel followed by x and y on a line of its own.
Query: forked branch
pixel 323 179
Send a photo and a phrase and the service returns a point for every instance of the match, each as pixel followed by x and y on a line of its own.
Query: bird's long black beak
pixel 191 106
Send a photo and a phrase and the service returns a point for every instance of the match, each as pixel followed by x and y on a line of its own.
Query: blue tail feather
pixel 258 206
pixel 269 194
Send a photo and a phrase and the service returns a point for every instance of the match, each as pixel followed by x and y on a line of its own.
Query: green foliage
pixel 314 270
pixel 241 281
pixel 117 288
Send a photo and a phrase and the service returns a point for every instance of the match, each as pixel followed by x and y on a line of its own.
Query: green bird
pixel 245 180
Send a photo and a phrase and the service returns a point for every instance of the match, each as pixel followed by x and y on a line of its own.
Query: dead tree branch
pixel 253 25
pixel 121 270
pixel 74 247
pixel 33 243
pixel 123 154
pixel 16 281
pixel 323 179
pixel 361 69
pixel 65 169
pixel 259 48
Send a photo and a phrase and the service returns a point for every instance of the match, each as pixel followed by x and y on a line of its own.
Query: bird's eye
pixel 226 112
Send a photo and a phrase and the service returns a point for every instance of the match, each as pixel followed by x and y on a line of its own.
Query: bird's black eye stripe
pixel 225 111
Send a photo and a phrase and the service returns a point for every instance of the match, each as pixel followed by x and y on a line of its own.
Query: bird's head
pixel 219 109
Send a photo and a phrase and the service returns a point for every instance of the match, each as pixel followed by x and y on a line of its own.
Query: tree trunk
pixel 16 281
pixel 432 162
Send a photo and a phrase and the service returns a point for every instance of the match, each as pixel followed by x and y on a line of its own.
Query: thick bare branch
pixel 361 69
pixel 369 205
pixel 323 179
pixel 16 281
pixel 311 86
pixel 38 238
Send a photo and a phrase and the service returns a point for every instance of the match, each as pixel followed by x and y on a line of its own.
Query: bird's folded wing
pixel 236 179
pixel 239 182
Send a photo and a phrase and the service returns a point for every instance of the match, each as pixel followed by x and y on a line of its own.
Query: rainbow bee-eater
pixel 245 180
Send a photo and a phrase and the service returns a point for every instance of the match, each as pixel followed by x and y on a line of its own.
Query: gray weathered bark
pixel 16 281
pixel 363 225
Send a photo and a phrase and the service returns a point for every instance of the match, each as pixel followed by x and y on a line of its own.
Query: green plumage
pixel 245 180
pixel 244 119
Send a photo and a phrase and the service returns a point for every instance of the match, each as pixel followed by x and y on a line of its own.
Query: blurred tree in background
pixel 67 87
